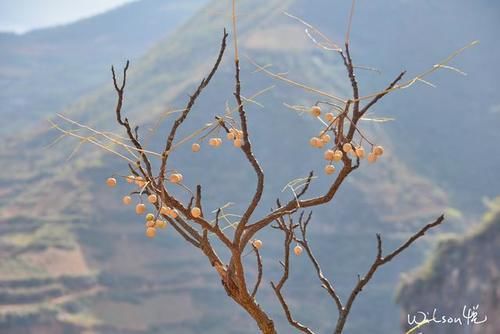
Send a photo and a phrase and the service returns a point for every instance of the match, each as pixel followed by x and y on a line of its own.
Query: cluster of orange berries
pixel 152 222
pixel 234 135
pixel 335 155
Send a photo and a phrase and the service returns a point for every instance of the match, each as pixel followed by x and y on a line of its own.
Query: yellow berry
pixel 111 182
pixel 329 155
pixel 347 147
pixel 150 217
pixel 130 178
pixel 150 232
pixel 360 152
pixel 329 117
pixel 297 250
pixel 175 177
pixel 152 198
pixel 329 169
pixel 337 155
pixel 372 157
pixel 196 212
pixel 315 111
pixel 140 208
pixel 127 200
pixel 238 143
pixel 378 150
pixel 195 147
pixel 257 244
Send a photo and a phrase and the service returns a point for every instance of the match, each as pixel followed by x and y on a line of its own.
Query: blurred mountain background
pixel 74 260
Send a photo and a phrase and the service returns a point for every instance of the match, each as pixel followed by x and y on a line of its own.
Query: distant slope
pixel 164 286
pixel 462 271
pixel 44 70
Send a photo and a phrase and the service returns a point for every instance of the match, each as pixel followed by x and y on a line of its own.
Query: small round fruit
pixel 196 212
pixel 195 147
pixel 152 198
pixel 372 157
pixel 111 182
pixel 329 169
pixel 347 147
pixel 213 142
pixel 329 117
pixel 325 138
pixel 150 232
pixel 238 142
pixel 297 250
pixel 150 217
pixel 329 155
pixel 239 134
pixel 337 155
pixel 127 200
pixel 139 181
pixel 150 223
pixel 130 178
pixel 164 210
pixel 360 152
pixel 140 208
pixel 257 244
pixel 315 142
pixel 231 135
pixel 315 111
pixel 175 177
pixel 161 224
pixel 173 213
pixel 378 150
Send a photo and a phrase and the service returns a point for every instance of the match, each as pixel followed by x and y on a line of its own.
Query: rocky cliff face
pixel 460 282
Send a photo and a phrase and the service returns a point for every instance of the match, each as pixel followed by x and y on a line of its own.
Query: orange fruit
pixel 360 152
pixel 347 147
pixel 161 224
pixel 152 198
pixel 329 117
pixel 372 157
pixel 329 155
pixel 150 232
pixel 196 212
pixel 297 250
pixel 337 155
pixel 378 150
pixel 127 200
pixel 315 111
pixel 238 143
pixel 150 223
pixel 195 147
pixel 175 177
pixel 140 208
pixel 316 142
pixel 164 210
pixel 173 213
pixel 130 178
pixel 257 244
pixel 325 138
pixel 329 169
pixel 111 182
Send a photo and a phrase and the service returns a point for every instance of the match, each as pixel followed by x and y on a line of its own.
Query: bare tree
pixel 340 134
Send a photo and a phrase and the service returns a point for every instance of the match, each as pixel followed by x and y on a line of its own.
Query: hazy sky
pixel 24 15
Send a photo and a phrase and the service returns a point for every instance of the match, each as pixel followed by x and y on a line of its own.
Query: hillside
pixel 147 287
pixel 45 70
pixel 462 271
